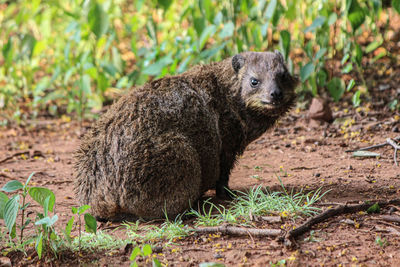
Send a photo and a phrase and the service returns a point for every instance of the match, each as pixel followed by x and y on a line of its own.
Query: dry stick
pixel 342 209
pixel 14 155
pixel 396 147
pixel 391 218
pixel 232 230
pixel 374 146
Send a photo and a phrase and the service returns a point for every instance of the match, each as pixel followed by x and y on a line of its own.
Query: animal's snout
pixel 276 95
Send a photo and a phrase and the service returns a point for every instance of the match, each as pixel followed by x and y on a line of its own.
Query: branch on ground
pixel 389 141
pixel 233 230
pixel 291 236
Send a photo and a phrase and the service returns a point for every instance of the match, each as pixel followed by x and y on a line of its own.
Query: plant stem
pixel 23 217
pixel 79 240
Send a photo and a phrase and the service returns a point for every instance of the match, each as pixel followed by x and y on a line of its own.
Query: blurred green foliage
pixel 69 56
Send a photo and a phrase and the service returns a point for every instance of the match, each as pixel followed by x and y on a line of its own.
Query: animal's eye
pixel 254 82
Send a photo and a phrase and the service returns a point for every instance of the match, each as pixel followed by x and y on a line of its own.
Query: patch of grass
pixel 99 241
pixel 212 215
pixel 382 242
pixel 260 201
pixel 168 231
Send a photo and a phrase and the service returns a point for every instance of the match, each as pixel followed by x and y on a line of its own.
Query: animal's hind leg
pixel 169 180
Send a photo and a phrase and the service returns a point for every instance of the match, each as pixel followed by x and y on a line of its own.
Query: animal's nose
pixel 276 94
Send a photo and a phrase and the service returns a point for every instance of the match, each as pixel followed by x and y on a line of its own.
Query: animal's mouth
pixel 271 103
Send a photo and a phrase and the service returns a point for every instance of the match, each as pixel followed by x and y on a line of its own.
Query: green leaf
pixel 332 18
pixel 358 54
pixel 320 53
pixel 365 154
pixel 156 68
pixel 117 60
pixel 135 252
pixel 98 20
pixel 269 13
pixel 356 99
pixel 12 186
pixel 205 35
pixel 285 43
pixel 206 54
pixel 207 9
pixel 8 52
pixel 347 68
pixel 374 208
pixel 68 227
pixel 336 88
pixel 46 205
pixel 11 212
pixel 199 24
pixel 350 85
pixel 29 179
pixel 372 46
pixel 317 23
pixel 46 221
pixel 322 76
pixel 393 104
pixel 306 71
pixel 165 4
pixel 39 194
pixel 90 222
pixel 156 263
pixel 109 68
pixel 82 209
pixel 3 201
pixel 396 5
pixel 355 15
pixel 345 58
pixel 74 210
pixel 227 31
pixel 39 245
pixel 53 220
pixel 146 250
pixel 27 45
pixel 84 84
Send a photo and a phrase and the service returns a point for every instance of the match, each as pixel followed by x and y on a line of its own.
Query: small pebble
pixel 317 174
pixel 218 256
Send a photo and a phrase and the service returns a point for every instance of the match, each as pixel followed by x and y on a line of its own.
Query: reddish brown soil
pixel 304 157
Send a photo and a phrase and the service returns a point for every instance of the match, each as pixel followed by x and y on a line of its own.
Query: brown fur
pixel 162 145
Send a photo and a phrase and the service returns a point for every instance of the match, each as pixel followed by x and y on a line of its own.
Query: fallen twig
pixel 30 153
pixel 389 141
pixel 14 155
pixel 374 146
pixel 396 147
pixel 232 230
pixel 391 218
pixel 342 209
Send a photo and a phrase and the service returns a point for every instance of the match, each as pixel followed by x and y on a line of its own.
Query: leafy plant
pixel 46 236
pixel 90 223
pixel 10 208
pixel 145 251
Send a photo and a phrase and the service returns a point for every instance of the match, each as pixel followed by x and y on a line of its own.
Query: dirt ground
pixel 305 157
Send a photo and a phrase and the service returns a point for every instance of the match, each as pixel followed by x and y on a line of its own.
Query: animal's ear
pixel 279 54
pixel 238 62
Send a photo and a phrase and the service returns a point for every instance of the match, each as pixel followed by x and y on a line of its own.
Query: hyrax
pixel 162 145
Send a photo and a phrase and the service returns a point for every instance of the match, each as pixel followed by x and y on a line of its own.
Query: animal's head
pixel 266 84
